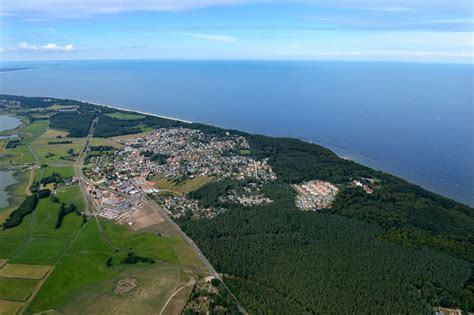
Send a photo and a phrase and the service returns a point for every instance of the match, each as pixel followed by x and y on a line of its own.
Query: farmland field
pixel 64 171
pixel 35 272
pixel 16 289
pixel 182 188
pixel 57 154
pixel 155 284
pixel 32 131
pixel 9 307
pixel 41 250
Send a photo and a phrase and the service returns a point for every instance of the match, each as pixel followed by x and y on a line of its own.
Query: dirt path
pixel 190 283
pixel 30 182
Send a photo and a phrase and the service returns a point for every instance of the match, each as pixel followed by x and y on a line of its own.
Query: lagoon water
pixel 8 122
pixel 6 177
pixel 412 120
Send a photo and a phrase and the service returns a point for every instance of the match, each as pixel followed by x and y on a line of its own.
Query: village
pixel 317 194
pixel 177 155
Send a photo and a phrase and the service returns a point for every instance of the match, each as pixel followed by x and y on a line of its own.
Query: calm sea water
pixel 412 120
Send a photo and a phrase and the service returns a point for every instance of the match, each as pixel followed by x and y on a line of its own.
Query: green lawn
pixel 46 216
pixel 83 265
pixel 64 171
pixel 19 155
pixel 16 289
pixel 72 194
pixel 32 131
pixel 143 244
pixel 41 250
pixel 59 151
pixel 125 116
pixel 184 187
pixel 12 239
pixel 8 246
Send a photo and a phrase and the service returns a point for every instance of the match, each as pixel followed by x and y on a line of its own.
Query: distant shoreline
pixel 139 112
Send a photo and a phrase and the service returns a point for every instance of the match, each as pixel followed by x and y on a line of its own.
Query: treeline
pixel 11 144
pixel 158 158
pixel 38 102
pixel 76 124
pixel 395 203
pixel 278 258
pixel 102 148
pixel 217 301
pixel 209 194
pixel 401 249
pixel 110 127
pixel 16 217
pixel 64 211
pixel 295 161
pixel 59 142
pixel 53 178
pixel 402 221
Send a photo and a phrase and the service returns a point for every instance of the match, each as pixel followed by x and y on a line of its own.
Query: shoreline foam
pixel 139 112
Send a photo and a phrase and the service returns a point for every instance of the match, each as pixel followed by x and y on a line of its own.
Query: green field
pixel 182 188
pixel 32 131
pixel 16 289
pixel 41 251
pixel 142 244
pixel 105 142
pixel 64 171
pixel 18 271
pixel 72 194
pixel 56 154
pixel 46 217
pixel 73 257
pixel 21 154
pixel 12 239
pixel 125 116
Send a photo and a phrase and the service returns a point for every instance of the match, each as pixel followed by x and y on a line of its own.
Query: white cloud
pixel 80 8
pixel 49 47
pixel 43 10
pixel 391 9
pixel 211 37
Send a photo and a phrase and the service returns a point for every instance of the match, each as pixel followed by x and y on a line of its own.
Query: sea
pixel 414 120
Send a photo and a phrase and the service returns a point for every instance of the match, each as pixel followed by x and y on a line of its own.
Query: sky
pixel 380 30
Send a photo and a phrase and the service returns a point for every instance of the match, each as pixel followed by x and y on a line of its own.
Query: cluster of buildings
pixel 9 103
pixel 315 194
pixel 114 206
pixel 179 207
pixel 364 186
pixel 251 195
pixel 187 153
pixel 179 154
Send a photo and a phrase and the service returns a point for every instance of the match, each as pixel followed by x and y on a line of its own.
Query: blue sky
pixel 397 30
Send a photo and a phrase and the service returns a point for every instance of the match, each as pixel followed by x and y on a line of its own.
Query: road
pixel 91 210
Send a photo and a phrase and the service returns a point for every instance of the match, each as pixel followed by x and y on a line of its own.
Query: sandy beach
pixel 139 112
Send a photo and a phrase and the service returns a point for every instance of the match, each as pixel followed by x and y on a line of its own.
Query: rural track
pixel 190 283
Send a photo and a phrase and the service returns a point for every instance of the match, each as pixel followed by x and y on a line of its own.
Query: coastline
pixel 139 112
pixel 341 152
